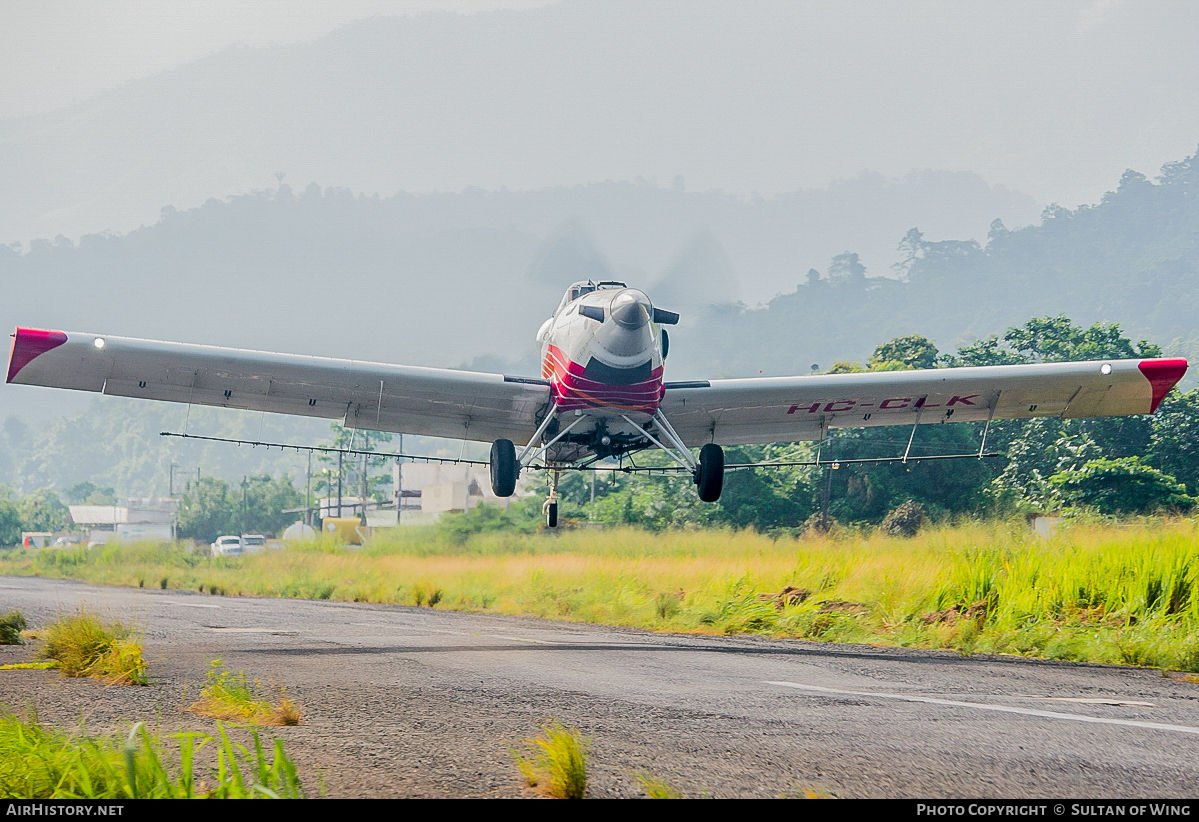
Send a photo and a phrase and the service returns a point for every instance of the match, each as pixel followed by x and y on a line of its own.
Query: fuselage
pixel 602 352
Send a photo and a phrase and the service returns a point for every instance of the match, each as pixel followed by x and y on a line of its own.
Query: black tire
pixel 709 477
pixel 551 515
pixel 504 470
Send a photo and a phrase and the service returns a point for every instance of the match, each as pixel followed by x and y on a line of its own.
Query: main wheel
pixel 504 469
pixel 709 477
pixel 551 515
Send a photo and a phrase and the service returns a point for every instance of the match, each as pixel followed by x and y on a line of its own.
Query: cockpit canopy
pixel 582 287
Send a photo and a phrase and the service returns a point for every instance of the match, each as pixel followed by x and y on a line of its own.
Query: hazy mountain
pixel 1131 259
pixel 742 97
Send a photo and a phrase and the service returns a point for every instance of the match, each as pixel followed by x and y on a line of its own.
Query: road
pixel 419 702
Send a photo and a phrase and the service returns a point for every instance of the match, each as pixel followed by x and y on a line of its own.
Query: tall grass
pixel 40 763
pixel 1124 593
pixel 230 695
pixel 555 761
pixel 84 646
pixel 655 787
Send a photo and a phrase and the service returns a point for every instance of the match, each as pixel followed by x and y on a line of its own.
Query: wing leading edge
pixel 788 409
pixel 413 400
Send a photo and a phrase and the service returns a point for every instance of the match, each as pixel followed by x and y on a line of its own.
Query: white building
pixel 435 489
pixel 140 519
pixel 424 492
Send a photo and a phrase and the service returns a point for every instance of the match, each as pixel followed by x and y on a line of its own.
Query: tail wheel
pixel 550 509
pixel 709 476
pixel 504 470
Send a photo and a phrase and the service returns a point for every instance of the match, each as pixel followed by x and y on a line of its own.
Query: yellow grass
pixel 555 761
pixel 229 695
pixel 83 646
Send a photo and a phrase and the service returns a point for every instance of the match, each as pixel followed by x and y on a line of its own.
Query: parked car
pixel 227 546
pixel 253 543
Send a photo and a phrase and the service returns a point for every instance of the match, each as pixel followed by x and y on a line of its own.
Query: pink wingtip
pixel 1162 375
pixel 28 344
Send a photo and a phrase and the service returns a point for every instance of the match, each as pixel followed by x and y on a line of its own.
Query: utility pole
pixel 340 454
pixel 828 487
pixel 400 482
pixel 366 446
pixel 245 484
pixel 308 492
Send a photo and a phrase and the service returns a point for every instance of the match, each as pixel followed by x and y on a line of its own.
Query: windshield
pixel 582 287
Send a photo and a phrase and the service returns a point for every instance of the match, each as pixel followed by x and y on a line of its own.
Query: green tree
pixel 912 351
pixel 1052 339
pixel 10 518
pixel 867 492
pixel 1037 449
pixel 766 498
pixel 207 510
pixel 989 351
pixel 1056 339
pixel 43 511
pixel 88 493
pixel 846 367
pixel 266 498
pixel 1120 486
pixel 358 472
pixel 1174 440
pixel 847 268
pixel 211 507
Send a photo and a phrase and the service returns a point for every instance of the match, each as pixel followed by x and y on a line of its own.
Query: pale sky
pixel 1053 99
pixel 53 54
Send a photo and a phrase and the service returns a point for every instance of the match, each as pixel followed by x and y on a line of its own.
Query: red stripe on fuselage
pixel 572 391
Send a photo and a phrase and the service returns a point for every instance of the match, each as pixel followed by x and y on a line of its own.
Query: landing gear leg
pixel 550 508
pixel 709 473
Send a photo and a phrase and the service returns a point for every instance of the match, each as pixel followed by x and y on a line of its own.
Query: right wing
pixel 434 402
pixel 789 409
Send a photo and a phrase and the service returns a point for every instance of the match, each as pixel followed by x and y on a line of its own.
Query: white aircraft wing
pixel 428 401
pixel 787 409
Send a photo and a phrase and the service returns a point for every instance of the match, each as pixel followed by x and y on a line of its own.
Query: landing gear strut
pixel 709 473
pixel 550 508
pixel 504 468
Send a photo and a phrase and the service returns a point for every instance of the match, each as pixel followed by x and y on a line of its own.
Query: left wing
pixel 788 409
pixel 434 402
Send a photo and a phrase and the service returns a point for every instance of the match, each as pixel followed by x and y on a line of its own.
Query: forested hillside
pixel 1132 259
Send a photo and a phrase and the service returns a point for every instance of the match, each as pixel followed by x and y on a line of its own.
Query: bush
pixel 1120 486
pixel 11 625
pixel 906 520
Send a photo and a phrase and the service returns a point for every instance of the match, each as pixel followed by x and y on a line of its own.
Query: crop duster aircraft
pixel 601 393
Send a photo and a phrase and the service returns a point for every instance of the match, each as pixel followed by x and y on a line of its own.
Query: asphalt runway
pixel 418 702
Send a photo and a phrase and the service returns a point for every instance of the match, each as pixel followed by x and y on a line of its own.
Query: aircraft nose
pixel 631 309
